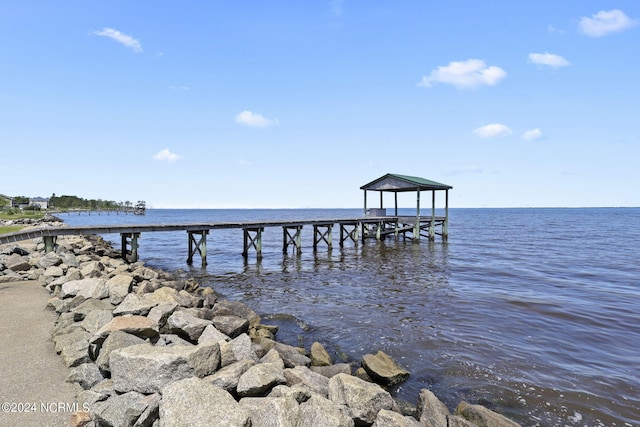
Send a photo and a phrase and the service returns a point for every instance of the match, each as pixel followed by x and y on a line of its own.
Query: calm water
pixel 532 312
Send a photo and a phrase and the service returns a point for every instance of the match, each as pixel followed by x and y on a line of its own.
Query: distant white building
pixel 39 201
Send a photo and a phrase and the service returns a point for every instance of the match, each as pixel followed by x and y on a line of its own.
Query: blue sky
pixel 289 104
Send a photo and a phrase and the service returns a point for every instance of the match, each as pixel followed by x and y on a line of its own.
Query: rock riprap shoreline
pixel 149 348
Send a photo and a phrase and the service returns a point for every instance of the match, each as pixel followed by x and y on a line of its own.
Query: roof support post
pixel 395 193
pixel 432 225
pixel 365 202
pixel 381 200
pixel 416 230
pixel 445 226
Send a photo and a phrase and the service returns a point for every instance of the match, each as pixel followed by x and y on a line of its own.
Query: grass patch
pixel 10 229
pixel 20 215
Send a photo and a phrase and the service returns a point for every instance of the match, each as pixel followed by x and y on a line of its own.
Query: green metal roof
pixel 394 182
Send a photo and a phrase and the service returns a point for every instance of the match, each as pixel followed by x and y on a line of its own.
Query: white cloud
pixel 465 74
pixel 125 39
pixel 492 130
pixel 605 22
pixel 166 156
pixel 549 59
pixel 532 135
pixel 248 118
pixel 465 171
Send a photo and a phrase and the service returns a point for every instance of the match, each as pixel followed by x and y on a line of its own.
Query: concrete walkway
pixel 32 375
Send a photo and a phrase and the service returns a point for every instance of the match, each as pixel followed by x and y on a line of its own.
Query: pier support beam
pixel 320 235
pixel 130 239
pixel 346 234
pixel 198 245
pixel 253 241
pixel 294 239
pixel 49 243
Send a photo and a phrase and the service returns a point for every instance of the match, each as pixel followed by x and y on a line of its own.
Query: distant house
pixel 39 201
pixel 6 201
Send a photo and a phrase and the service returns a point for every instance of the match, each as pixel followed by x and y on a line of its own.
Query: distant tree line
pixel 75 202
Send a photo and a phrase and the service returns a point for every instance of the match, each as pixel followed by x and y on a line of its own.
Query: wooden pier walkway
pixel 351 229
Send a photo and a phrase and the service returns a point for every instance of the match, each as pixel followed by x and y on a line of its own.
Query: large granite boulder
pixel 195 402
pixel 137 325
pixel 383 369
pixel 115 341
pixel 431 411
pixel 364 400
pixel 258 380
pixel 229 376
pixel 386 418
pixel 482 416
pixel 187 325
pixel 125 410
pixel 319 411
pixel 147 369
pixel 271 411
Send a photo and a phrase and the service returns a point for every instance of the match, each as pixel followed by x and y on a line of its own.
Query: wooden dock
pixel 350 229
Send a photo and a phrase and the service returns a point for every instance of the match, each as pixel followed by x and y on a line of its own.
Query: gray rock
pixel 386 418
pixel 121 410
pixel 137 325
pixel 195 402
pixel 119 287
pixel 319 411
pixel 115 340
pixel 272 356
pixel 144 273
pixel 456 421
pixel 95 320
pixel 431 411
pixel 271 411
pixel 161 313
pixel 291 355
pixel 319 356
pixel 364 400
pixel 237 349
pixel 259 379
pixel 231 325
pixel 236 308
pixel 88 288
pixel 92 269
pixel 17 263
pixel 50 259
pixel 134 304
pixel 482 416
pixel 86 375
pixel 73 346
pixel 185 299
pixel 89 397
pixel 333 370
pixel 172 339
pixel 211 334
pixel 91 305
pixel 53 271
pixel 316 383
pixel 383 369
pixel 147 369
pixel 187 325
pixel 151 415
pixel 229 376
pixel 297 392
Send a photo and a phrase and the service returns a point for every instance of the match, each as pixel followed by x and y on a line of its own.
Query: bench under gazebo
pixel 416 225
